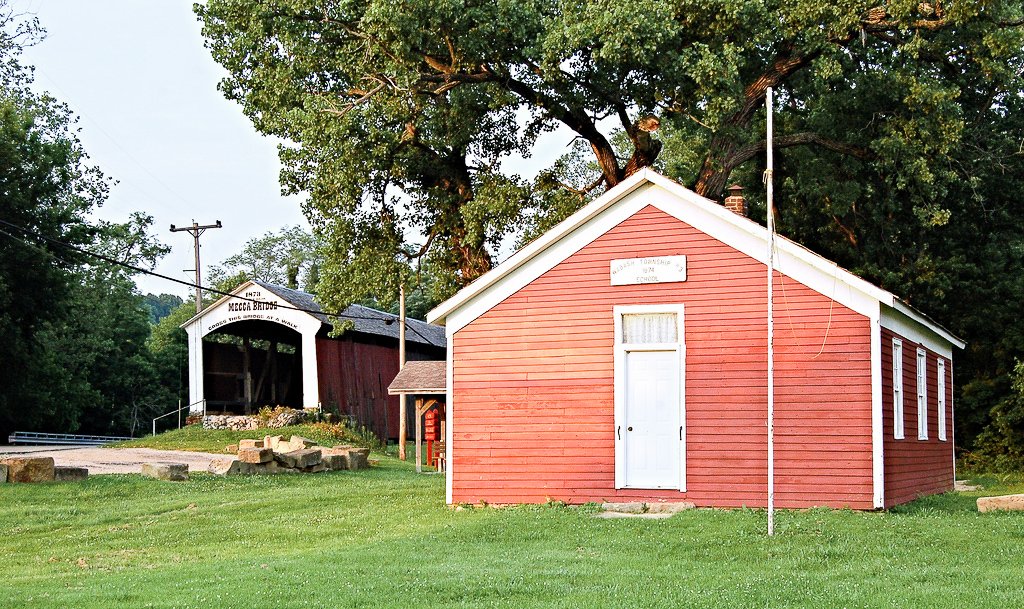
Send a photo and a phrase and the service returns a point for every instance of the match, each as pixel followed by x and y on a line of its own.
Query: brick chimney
pixel 735 201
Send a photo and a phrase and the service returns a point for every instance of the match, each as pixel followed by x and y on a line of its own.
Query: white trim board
pixel 914 330
pixel 449 407
pixel 619 376
pixel 877 421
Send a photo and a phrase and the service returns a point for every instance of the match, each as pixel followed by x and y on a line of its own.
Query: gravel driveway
pixel 112 460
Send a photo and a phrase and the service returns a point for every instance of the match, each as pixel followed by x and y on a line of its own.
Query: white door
pixel 650 428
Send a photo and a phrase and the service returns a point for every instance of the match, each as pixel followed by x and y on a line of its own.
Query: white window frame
pixel 941 397
pixel 922 394
pixel 620 382
pixel 897 389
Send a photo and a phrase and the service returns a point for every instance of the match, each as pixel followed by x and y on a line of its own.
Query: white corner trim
pixel 877 421
pixel 449 375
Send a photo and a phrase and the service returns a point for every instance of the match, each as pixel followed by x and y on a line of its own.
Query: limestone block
pixel 231 448
pixel 63 473
pixel 288 459
pixel 219 467
pixel 314 469
pixel 299 459
pixel 1012 503
pixel 173 472
pixel 307 457
pixel 631 507
pixel 300 443
pixel 669 507
pixel 255 455
pixel 29 469
pixel 250 444
pixel 335 462
pixel 268 468
pixel 272 442
pixel 231 467
pixel 358 458
pixel 3 473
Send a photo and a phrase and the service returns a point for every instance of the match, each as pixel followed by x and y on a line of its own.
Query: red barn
pixel 623 356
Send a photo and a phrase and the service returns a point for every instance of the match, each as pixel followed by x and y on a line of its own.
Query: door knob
pixel 629 429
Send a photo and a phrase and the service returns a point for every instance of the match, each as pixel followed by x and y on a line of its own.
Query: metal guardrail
pixel 177 411
pixel 34 437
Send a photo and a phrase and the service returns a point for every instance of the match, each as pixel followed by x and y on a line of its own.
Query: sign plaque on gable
pixel 660 269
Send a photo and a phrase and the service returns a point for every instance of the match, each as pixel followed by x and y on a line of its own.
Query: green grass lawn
pixel 384 538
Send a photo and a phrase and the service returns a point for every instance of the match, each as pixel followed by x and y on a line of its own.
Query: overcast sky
pixel 145 89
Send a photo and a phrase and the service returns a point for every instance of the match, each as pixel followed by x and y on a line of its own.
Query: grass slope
pixel 384 538
pixel 195 438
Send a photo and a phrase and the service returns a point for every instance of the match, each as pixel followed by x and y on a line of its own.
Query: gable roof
pixel 364 319
pixel 744 234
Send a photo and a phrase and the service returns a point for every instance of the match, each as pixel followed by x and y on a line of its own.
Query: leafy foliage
pixel 74 327
pixel 160 306
pixel 290 257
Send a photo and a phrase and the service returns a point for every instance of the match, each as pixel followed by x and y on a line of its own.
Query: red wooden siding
pixel 914 468
pixel 354 372
pixel 354 377
pixel 533 407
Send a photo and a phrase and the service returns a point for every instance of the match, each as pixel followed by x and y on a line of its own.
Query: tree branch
pixel 745 153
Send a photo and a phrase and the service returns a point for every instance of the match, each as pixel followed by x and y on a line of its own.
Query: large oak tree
pixel 898 131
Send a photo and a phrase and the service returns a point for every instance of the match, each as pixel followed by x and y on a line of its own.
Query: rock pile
pixel 239 423
pixel 278 417
pixel 275 455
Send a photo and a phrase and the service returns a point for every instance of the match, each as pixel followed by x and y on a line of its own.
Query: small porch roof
pixel 420 378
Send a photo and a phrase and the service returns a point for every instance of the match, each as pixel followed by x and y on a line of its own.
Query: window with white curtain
pixel 646 328
pixel 942 398
pixel 897 389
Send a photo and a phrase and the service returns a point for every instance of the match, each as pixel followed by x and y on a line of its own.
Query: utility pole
pixel 195 230
pixel 402 432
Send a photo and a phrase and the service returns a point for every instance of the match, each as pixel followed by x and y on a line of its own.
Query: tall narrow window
pixel 922 395
pixel 897 388
pixel 941 390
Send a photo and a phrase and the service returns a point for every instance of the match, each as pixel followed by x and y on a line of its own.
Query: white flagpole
pixel 768 178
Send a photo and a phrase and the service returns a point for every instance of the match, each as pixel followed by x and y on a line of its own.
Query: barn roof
pixel 740 232
pixel 419 377
pixel 364 319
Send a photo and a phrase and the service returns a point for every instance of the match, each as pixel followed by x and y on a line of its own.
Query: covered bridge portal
pixel 267 345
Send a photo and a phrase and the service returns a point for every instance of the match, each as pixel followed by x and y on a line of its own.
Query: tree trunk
pixel 721 158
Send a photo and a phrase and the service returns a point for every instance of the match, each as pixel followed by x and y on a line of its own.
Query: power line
pixel 137 269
